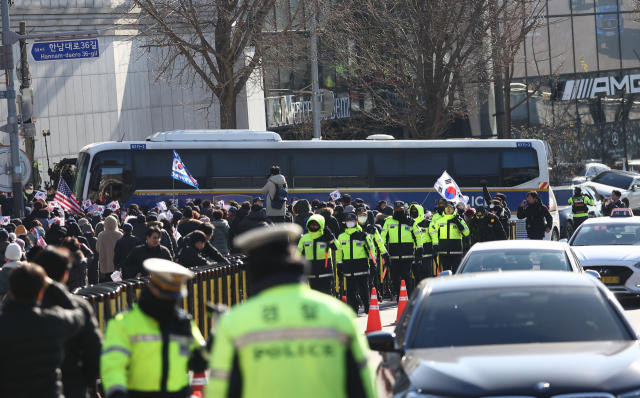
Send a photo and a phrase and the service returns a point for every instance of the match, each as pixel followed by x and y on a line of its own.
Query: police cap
pixel 399 205
pixel 361 210
pixel 481 210
pixel 441 202
pixel 451 204
pixel 168 277
pixel 351 217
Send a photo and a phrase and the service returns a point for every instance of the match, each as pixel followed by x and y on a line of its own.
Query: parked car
pixel 584 172
pixel 611 246
pixel 511 334
pixel 627 182
pixel 563 194
pixel 519 255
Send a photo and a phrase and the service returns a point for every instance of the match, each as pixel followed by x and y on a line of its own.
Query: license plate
pixel 610 34
pixel 610 279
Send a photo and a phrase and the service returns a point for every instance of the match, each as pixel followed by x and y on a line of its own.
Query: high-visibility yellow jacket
pixel 316 250
pixel 402 239
pixel 355 252
pixel 446 234
pixel 289 341
pixel 136 351
pixel 579 205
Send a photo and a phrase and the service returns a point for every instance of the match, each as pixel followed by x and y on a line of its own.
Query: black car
pixel 541 334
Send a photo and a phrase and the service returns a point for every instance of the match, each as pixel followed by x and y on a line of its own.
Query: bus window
pixel 245 168
pixel 408 168
pixel 153 168
pixel 337 168
pixel 108 177
pixel 519 166
pixel 81 175
pixel 471 167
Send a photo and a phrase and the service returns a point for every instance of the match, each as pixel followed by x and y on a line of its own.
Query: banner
pixel 449 190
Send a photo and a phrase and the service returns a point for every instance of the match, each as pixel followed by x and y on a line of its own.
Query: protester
pixel 152 220
pixel 106 245
pixel 220 233
pixel 257 218
pixel 123 248
pixel 56 234
pixel 81 365
pixel 4 242
pixel 93 270
pixel 11 261
pixel 32 338
pixel 140 227
pixel 78 273
pixel 244 210
pixel 303 212
pixel 275 189
pixel 539 219
pixel 150 249
pixel 190 255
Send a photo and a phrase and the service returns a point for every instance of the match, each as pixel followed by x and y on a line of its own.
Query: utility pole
pixel 29 142
pixel 315 86
pixel 498 92
pixel 12 117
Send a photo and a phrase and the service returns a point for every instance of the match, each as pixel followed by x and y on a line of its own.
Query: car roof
pixel 497 280
pixel 626 173
pixel 519 244
pixel 614 220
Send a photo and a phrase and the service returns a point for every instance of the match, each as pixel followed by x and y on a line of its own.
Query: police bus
pixel 232 165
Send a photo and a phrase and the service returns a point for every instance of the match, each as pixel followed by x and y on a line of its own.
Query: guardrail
pixel 219 284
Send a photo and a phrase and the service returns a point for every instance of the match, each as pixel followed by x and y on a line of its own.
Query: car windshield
pixel 602 233
pixel 517 316
pixel 563 196
pixel 516 260
pixel 582 172
pixel 614 179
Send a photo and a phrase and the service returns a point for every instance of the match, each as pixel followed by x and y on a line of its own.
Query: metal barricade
pixel 218 284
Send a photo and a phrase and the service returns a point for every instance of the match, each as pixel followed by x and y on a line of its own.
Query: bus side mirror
pixel 94 181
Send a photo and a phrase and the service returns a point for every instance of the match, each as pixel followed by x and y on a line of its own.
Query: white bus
pixel 233 164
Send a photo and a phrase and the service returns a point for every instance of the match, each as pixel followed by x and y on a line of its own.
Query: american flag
pixel 93 208
pixel 39 239
pixel 66 199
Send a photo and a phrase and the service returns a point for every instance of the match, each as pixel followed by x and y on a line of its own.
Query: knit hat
pixel 82 222
pixel 13 252
pixel 21 230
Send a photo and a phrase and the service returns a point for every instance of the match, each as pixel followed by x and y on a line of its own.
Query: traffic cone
pixel 198 382
pixel 344 299
pixel 402 300
pixel 373 322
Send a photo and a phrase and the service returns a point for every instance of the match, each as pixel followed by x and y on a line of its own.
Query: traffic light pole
pixel 12 117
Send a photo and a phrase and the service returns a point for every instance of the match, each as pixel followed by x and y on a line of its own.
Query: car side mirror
pixel 634 188
pixel 563 241
pixel 382 341
pixel 445 273
pixel 593 273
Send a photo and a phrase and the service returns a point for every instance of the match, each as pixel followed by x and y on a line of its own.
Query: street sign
pixel 64 50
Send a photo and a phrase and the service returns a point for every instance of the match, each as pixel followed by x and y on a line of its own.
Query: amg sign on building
pixel 588 88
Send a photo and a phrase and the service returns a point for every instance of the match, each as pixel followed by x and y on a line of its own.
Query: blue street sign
pixel 68 49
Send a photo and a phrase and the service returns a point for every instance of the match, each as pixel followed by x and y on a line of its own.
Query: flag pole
pixel 173 201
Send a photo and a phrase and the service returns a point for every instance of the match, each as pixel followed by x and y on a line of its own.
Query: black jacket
pixel 55 235
pixel 78 273
pixel 608 208
pixel 81 365
pixel 93 270
pixel 133 263
pixel 233 227
pixel 330 221
pixel 189 256
pixel 121 251
pixel 538 219
pixel 301 220
pixel 32 343
pixel 186 227
pixel 208 251
pixel 140 231
pixel 255 219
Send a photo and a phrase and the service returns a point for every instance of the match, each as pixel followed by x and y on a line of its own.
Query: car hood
pixel 606 255
pixel 612 366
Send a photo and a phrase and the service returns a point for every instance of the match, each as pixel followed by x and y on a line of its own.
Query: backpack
pixel 280 197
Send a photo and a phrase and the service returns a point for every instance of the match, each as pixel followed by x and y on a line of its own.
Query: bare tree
pixel 217 46
pixel 424 63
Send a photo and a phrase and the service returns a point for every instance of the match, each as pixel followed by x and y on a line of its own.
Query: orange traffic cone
pixel 402 301
pixel 344 299
pixel 198 382
pixel 373 322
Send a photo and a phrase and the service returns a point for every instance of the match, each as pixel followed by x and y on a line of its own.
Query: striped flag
pixel 39 239
pixel 66 199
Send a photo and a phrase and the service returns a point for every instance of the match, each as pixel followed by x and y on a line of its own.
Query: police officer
pixel 149 349
pixel 403 237
pixel 354 261
pixel 316 246
pixel 446 237
pixel 579 207
pixel 422 269
pixel 287 340
pixel 368 225
pixel 492 225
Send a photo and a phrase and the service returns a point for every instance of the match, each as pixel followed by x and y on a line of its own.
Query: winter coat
pixel 270 190
pixel 207 212
pixel 185 227
pixel 55 235
pixel 538 219
pixel 93 269
pixel 133 263
pixel 121 251
pixel 78 272
pixel 255 219
pixel 43 216
pixel 140 231
pixel 240 215
pixel 106 243
pixel 81 365
pixel 73 229
pixel 220 236
pixel 4 276
pixel 165 239
pixel 189 256
pixel 32 343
